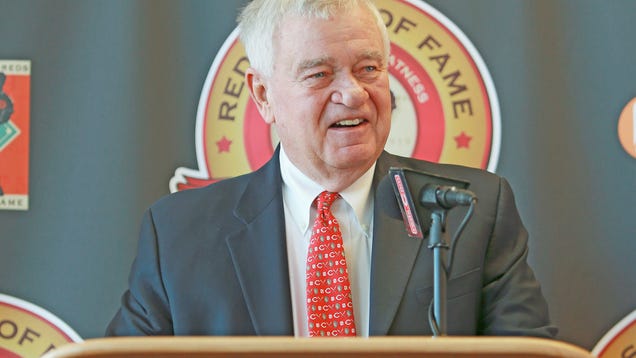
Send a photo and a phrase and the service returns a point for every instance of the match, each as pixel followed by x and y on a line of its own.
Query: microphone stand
pixel 438 200
pixel 439 244
pixel 437 196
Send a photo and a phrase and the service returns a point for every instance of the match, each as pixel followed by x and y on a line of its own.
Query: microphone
pixel 445 196
pixel 430 192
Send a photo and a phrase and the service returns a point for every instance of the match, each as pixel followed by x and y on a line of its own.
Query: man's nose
pixel 349 92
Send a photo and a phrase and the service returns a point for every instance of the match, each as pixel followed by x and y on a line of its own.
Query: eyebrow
pixel 314 62
pixel 372 55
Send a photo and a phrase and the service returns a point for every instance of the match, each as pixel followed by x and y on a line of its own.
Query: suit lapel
pixel 259 252
pixel 394 252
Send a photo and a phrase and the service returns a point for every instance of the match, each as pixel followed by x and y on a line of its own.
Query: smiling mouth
pixel 348 123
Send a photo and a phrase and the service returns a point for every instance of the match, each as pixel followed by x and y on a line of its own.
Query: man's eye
pixel 319 75
pixel 370 68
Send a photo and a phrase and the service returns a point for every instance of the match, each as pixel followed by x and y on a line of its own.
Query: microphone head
pixel 419 184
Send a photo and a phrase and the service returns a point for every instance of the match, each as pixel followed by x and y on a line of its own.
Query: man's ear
pixel 258 92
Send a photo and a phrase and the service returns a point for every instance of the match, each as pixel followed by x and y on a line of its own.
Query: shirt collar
pixel 299 192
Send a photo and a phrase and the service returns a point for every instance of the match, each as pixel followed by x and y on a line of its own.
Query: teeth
pixel 349 122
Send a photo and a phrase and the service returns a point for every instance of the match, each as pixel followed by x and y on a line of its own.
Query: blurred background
pixel 115 86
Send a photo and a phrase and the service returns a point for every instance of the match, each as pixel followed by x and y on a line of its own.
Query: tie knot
pixel 325 199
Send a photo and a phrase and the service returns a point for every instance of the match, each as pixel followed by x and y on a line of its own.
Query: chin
pixel 348 159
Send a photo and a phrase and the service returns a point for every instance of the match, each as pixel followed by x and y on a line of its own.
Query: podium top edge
pixel 289 346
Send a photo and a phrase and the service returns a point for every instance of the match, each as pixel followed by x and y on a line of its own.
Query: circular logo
pixel 618 341
pixel 446 107
pixel 27 330
pixel 627 128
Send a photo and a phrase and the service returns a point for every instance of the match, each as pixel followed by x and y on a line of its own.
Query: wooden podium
pixel 288 347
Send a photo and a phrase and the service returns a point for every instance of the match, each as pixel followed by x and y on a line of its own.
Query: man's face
pixel 328 95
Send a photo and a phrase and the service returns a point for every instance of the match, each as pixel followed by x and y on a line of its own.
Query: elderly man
pixel 309 245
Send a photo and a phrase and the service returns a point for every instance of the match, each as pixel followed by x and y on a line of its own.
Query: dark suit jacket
pixel 213 261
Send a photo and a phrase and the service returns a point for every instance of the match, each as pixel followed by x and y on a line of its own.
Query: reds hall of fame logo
pixel 27 330
pixel 446 108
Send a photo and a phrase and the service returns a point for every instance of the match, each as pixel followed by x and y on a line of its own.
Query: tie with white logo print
pixel 329 305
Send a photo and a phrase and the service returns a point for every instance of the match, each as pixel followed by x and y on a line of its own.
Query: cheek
pixel 281 110
pixel 382 100
pixel 295 107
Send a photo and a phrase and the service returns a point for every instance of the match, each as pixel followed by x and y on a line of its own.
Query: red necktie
pixel 329 305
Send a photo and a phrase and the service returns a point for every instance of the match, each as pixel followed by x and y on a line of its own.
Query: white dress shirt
pixel 355 215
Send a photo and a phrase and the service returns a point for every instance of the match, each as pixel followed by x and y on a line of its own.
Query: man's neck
pixel 330 178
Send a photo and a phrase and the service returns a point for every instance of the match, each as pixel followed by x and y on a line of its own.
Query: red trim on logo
pixel 5 353
pixel 430 114
pixel 193 183
pixel 616 337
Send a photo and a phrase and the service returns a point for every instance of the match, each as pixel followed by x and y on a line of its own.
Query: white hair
pixel 260 19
